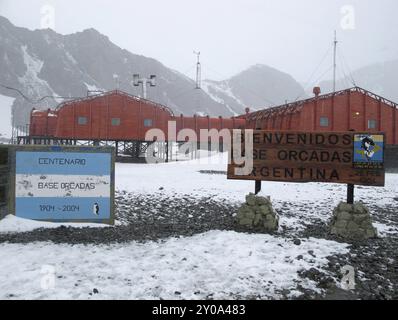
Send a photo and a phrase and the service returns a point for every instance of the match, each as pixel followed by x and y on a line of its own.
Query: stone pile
pixel 352 221
pixel 258 215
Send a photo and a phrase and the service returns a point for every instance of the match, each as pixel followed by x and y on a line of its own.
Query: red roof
pixel 296 106
pixel 118 93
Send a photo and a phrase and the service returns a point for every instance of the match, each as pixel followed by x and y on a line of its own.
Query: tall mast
pixel 334 61
pixel 198 71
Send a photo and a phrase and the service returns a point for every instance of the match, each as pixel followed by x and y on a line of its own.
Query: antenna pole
pixel 334 61
pixel 198 71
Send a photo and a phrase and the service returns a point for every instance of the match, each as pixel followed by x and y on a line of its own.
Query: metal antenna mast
pixel 198 71
pixel 117 80
pixel 334 61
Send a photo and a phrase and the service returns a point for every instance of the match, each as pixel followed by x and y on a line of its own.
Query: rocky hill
pixel 44 63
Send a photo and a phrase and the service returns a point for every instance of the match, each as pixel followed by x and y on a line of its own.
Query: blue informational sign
pixel 64 186
pixel 368 151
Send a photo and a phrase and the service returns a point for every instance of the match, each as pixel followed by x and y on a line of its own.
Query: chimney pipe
pixel 317 91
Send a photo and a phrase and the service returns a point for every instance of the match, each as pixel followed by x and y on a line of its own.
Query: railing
pixel 18 131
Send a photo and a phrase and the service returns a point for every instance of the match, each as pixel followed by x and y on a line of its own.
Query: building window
pixel 324 122
pixel 82 120
pixel 372 124
pixel 148 123
pixel 115 121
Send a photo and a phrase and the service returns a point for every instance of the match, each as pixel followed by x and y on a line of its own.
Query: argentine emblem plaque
pixel 368 151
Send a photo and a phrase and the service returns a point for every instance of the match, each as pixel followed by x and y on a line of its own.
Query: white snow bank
pixel 222 264
pixel 13 224
pixel 6 116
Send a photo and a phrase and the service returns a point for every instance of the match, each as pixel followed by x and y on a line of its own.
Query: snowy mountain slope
pixel 381 78
pixel 45 63
pixel 221 92
pixel 257 87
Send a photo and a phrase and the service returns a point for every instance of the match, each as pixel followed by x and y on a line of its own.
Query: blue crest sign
pixel 64 184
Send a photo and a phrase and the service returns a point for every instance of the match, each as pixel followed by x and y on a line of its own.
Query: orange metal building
pixel 351 109
pixel 117 116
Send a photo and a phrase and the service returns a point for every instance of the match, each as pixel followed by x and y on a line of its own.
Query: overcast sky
pixel 290 35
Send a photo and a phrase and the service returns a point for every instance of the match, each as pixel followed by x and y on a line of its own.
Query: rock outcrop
pixel 352 221
pixel 258 215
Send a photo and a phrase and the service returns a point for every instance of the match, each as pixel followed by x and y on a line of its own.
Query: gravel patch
pixel 143 218
pixel 375 261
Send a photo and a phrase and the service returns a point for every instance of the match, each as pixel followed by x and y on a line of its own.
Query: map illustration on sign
pixel 368 151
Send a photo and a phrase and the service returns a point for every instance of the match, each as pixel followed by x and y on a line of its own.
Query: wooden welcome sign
pixel 335 157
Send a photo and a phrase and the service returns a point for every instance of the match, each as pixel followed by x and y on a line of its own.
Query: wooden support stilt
pixel 167 152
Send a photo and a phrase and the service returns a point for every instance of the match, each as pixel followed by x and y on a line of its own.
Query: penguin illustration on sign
pixel 368 151
pixel 96 209
pixel 368 146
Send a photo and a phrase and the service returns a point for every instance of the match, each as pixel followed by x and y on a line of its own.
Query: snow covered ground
pixel 217 265
pixel 13 224
pixel 316 200
pixel 214 264
pixel 185 178
pixel 6 116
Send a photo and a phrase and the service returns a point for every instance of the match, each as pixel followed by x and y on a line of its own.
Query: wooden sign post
pixel 350 193
pixel 257 187
pixel 352 158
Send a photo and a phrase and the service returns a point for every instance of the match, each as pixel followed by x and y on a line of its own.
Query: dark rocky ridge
pixel 69 65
